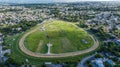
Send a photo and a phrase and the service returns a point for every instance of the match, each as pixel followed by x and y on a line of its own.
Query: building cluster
pixel 109 22
pixel 107 19
pixel 12 15
pixel 99 62
pixel 3 51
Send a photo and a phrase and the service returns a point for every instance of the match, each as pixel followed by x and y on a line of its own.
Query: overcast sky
pixel 48 1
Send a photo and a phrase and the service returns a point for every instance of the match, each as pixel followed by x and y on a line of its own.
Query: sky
pixel 47 1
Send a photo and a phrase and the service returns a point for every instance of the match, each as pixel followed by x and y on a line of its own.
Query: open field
pixel 65 37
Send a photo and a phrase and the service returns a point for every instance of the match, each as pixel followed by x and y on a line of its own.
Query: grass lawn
pixel 64 36
pixel 20 57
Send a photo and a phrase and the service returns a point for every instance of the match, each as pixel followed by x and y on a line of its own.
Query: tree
pixel 117 65
pixel 90 65
pixel 98 56
pixel 107 65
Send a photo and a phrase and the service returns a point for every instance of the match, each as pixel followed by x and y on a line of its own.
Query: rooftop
pixel 99 62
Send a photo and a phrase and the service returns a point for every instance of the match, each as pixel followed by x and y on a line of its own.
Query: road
pixel 83 61
pixel 28 52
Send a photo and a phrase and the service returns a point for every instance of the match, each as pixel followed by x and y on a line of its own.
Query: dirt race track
pixel 28 52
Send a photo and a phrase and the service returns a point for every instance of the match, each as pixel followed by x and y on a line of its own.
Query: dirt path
pixel 28 52
pixel 39 46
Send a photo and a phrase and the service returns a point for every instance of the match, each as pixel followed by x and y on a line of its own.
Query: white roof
pixel 99 62
pixel 0 33
pixel 48 62
pixel 118 40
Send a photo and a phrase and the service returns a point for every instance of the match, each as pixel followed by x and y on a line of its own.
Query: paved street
pixel 83 61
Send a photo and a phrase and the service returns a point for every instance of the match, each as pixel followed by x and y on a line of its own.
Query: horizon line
pixel 59 2
pixel 53 2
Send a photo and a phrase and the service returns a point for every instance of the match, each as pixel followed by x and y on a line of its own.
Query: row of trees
pixel 72 17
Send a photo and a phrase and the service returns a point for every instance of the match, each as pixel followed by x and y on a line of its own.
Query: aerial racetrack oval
pixel 66 38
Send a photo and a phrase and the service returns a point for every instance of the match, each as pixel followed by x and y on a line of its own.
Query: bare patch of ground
pixel 65 43
pixel 39 46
